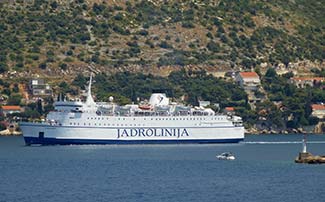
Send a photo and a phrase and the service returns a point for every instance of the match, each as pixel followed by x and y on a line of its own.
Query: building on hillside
pixel 248 80
pixel 10 109
pixel 253 99
pixel 38 87
pixel 318 110
pixel 302 82
pixel 229 110
pixel 203 103
pixel 251 83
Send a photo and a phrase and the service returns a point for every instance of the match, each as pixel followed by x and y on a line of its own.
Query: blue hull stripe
pixel 53 141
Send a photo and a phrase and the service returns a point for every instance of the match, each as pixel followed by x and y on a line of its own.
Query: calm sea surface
pixel 263 171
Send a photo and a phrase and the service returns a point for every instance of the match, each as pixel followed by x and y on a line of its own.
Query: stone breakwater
pixel 8 132
pixel 306 157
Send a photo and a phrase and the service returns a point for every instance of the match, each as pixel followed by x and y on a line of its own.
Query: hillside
pixel 54 38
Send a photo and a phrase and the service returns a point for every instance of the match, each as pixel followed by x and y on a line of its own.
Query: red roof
pixel 249 75
pixel 11 107
pixel 230 109
pixel 318 107
pixel 309 78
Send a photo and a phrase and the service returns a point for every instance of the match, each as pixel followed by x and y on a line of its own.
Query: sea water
pixel 264 170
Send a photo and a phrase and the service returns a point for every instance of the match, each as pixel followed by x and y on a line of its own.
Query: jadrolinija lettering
pixel 152 132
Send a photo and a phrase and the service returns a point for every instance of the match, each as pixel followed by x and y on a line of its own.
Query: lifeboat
pixel 145 107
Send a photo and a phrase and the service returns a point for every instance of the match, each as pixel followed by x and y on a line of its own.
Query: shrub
pixel 143 32
pixel 165 45
pixel 42 65
pixel 188 25
pixel 63 66
pixel 213 46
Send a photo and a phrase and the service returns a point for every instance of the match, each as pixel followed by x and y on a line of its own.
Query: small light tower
pixel 304 144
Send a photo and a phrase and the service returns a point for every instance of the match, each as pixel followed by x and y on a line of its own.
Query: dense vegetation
pixel 295 102
pixel 53 34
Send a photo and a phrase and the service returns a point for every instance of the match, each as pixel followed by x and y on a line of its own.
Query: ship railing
pixel 237 123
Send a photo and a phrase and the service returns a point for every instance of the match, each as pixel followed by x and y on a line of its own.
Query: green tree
pixel 14 99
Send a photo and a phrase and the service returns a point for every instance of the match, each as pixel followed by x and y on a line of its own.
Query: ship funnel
pixel 158 99
pixel 90 101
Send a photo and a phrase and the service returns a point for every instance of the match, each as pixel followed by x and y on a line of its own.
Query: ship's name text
pixel 152 132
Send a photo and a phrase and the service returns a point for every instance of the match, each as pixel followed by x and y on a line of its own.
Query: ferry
pixel 157 122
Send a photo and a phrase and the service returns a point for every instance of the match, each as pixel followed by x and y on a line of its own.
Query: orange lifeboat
pixel 145 107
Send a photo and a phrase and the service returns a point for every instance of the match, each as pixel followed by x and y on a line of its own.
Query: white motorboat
pixel 226 156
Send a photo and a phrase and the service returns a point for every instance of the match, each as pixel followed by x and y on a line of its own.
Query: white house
pixel 38 87
pixel 10 109
pixel 318 110
pixel 248 80
pixel 302 82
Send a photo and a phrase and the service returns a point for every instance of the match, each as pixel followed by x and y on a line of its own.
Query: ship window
pixel 89 123
pixel 84 124
pixel 117 124
pixel 91 118
pixel 70 123
pixel 95 124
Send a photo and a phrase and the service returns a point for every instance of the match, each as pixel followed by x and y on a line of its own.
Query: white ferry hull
pixel 45 134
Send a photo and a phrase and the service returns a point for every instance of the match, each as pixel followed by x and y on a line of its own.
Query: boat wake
pixel 286 142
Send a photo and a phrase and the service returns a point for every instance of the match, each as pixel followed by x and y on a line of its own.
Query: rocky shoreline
pixel 317 129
